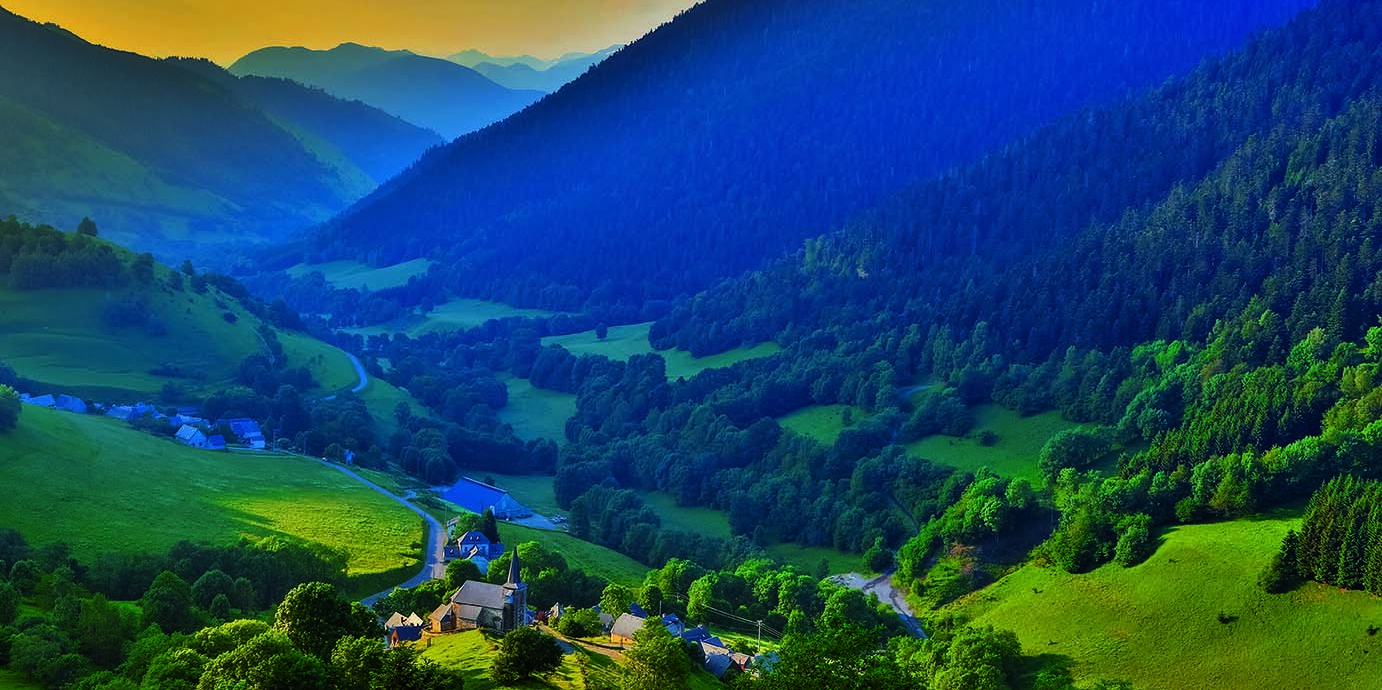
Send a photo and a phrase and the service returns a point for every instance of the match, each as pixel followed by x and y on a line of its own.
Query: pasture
pixel 623 342
pixel 354 275
pixel 1191 617
pixel 536 412
pixel 453 315
pixel 1016 452
pixel 592 558
pixel 99 486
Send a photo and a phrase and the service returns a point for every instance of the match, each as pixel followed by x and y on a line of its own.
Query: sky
pixel 224 30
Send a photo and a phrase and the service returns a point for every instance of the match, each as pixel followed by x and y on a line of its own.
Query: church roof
pixel 482 594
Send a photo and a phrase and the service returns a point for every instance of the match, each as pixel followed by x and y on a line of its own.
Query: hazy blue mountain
pixel 437 94
pixel 380 144
pixel 472 57
pixel 160 156
pixel 528 72
pixel 730 134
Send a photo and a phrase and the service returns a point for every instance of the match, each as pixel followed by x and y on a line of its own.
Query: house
pixel 40 401
pixel 248 430
pixel 68 403
pixel 501 608
pixel 696 634
pixel 400 629
pixel 191 436
pixel 723 662
pixel 474 547
pixel 624 628
pixel 217 442
pixel 477 496
pixel 673 624
pixel 191 420
pixel 123 413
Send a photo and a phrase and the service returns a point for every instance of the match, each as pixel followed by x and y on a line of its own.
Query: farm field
pixel 347 275
pixel 536 412
pixel 1158 624
pixel 452 315
pixel 808 559
pixel 592 558
pixel 1014 455
pixel 100 486
pixel 623 342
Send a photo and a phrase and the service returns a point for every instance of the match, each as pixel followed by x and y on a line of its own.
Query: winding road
pixel 362 385
pixel 434 564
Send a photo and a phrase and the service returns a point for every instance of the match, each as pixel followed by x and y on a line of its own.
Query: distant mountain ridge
pixel 744 126
pixel 173 159
pixel 528 72
pixel 440 95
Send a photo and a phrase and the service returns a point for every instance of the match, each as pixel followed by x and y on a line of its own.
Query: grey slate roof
pixel 482 594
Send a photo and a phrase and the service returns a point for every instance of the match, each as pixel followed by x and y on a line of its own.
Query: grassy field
pixel 1157 624
pixel 14 680
pixel 472 652
pixel 59 339
pixel 453 315
pixel 536 412
pixel 707 521
pixel 808 559
pixel 594 559
pixel 100 486
pixel 1014 455
pixel 381 397
pixel 353 275
pixel 821 422
pixel 623 342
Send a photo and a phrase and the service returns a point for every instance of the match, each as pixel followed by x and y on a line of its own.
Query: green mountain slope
pixel 83 316
pixel 152 493
pixel 166 158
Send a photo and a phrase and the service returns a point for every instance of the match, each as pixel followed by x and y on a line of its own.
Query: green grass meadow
pixel 100 486
pixel 532 490
pixel 623 342
pixel 694 519
pixel 1014 455
pixel 537 412
pixel 353 275
pixel 14 680
pixel 821 422
pixel 473 651
pixel 453 315
pixel 807 559
pixel 1157 624
pixel 592 558
pixel 58 338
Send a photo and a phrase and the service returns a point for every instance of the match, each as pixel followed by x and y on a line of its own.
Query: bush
pixel 580 623
pixel 10 408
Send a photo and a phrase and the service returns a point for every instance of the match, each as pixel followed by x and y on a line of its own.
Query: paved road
pixel 882 586
pixel 360 372
pixel 434 565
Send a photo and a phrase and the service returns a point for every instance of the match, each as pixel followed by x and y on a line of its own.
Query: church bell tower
pixel 515 597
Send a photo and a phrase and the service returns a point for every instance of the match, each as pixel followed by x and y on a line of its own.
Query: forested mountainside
pixel 165 159
pixel 1192 271
pixel 441 95
pixel 740 128
pixel 380 144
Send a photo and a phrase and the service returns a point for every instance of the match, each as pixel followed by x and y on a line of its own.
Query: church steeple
pixel 515 576
pixel 515 597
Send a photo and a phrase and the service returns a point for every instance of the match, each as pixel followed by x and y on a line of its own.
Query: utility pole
pixel 760 636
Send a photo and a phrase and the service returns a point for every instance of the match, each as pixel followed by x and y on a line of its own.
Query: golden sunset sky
pixel 224 30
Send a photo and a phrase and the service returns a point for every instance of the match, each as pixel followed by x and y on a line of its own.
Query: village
pixel 502 608
pixel 186 427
